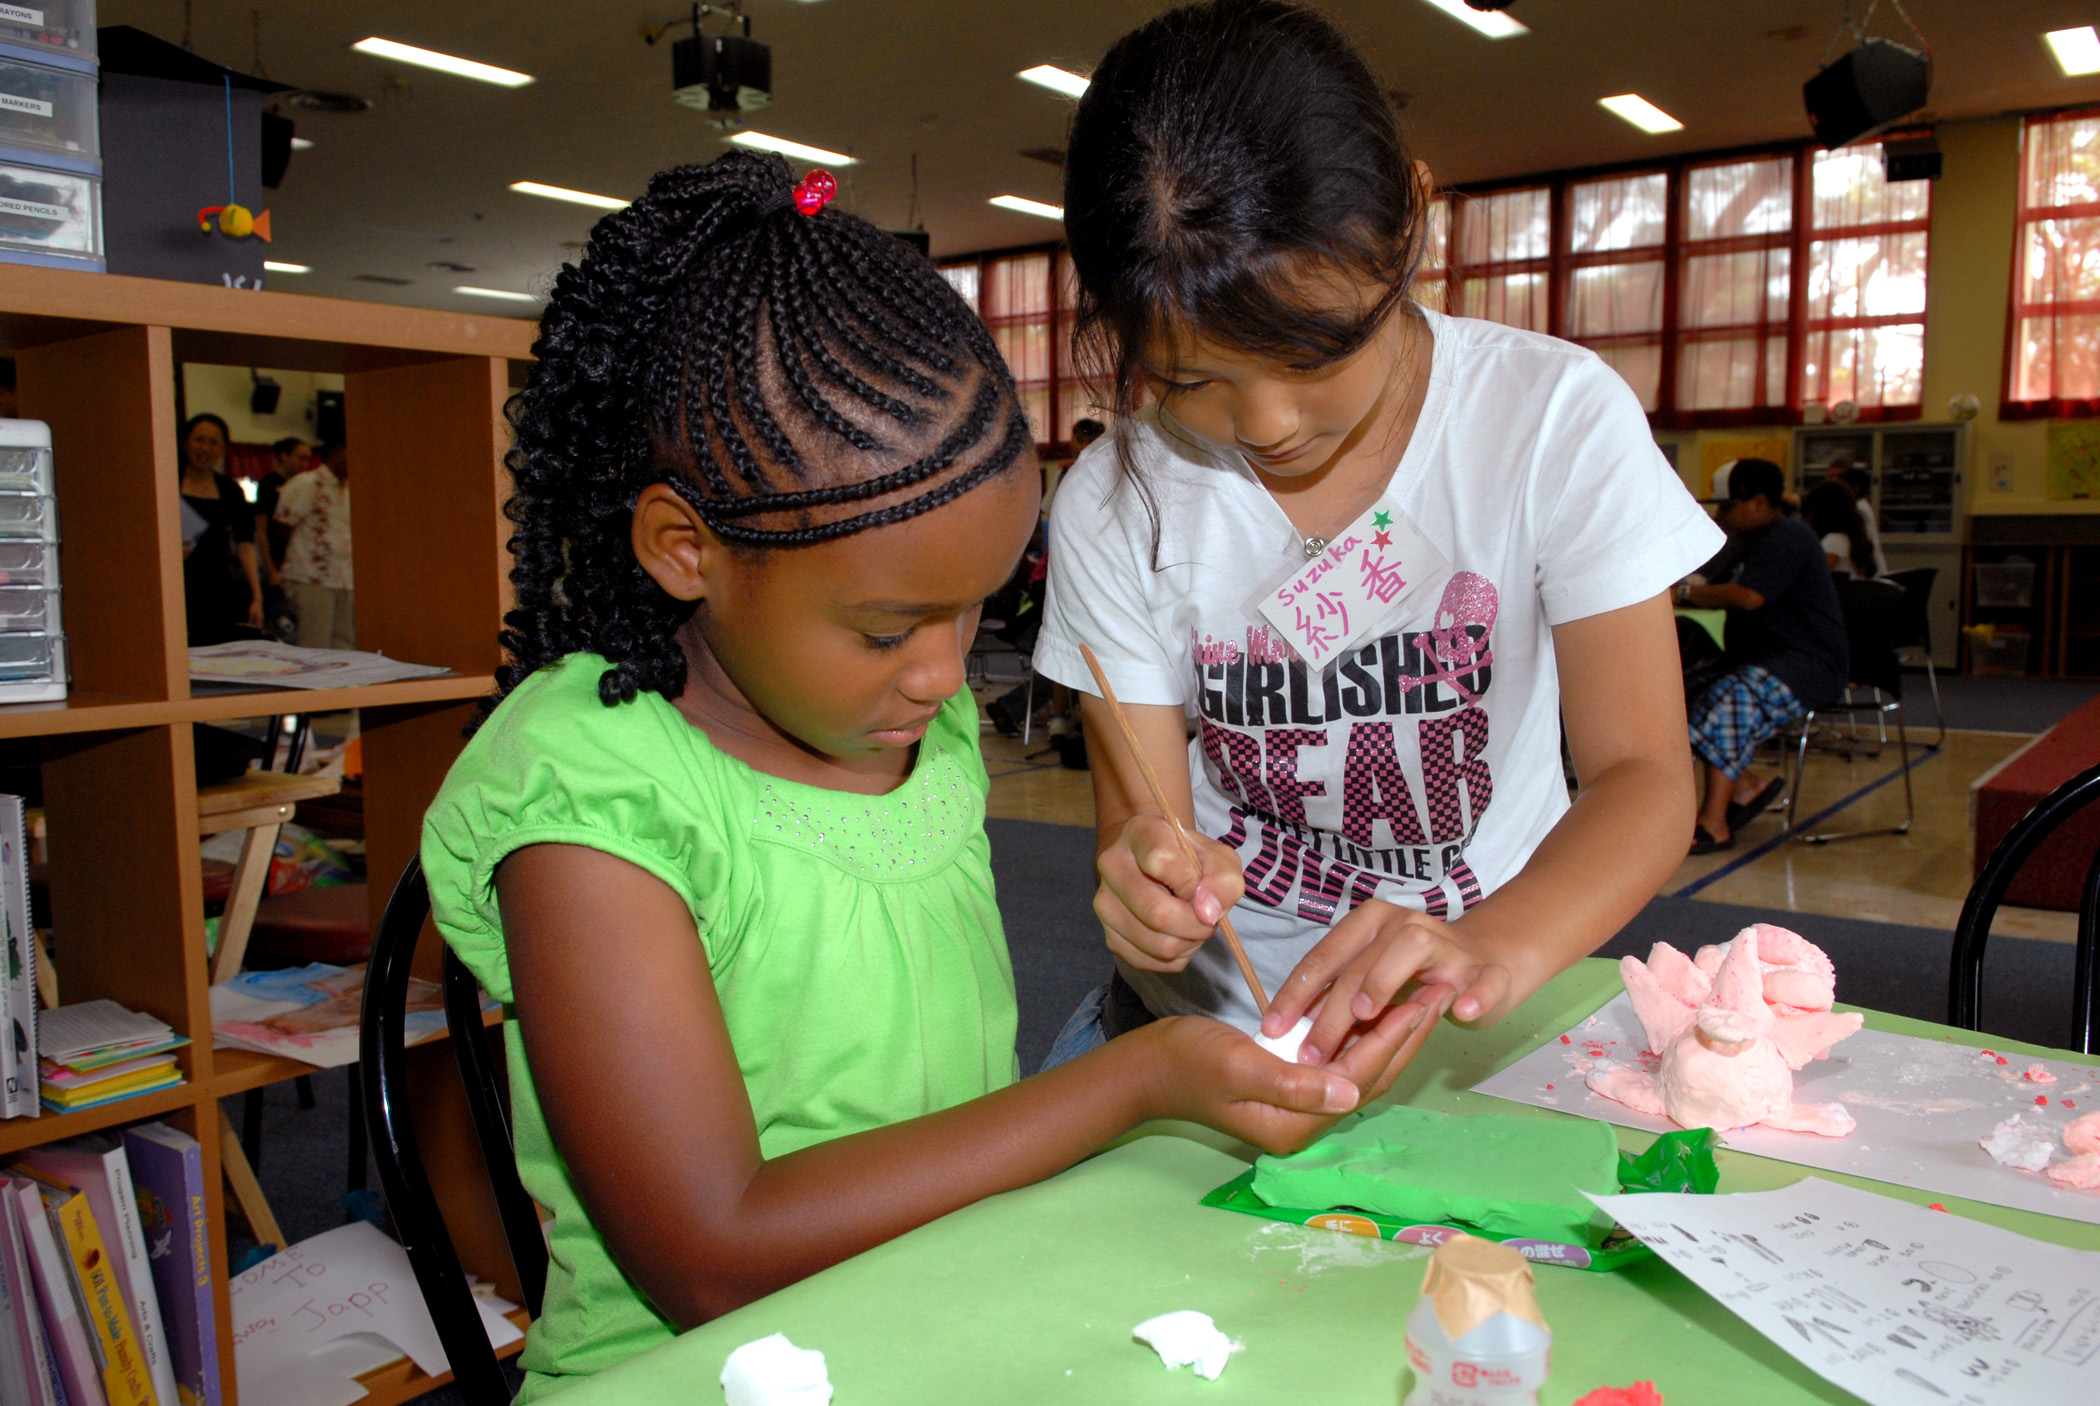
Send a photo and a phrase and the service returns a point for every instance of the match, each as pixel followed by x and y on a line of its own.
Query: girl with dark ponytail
pixel 1374 554
pixel 718 846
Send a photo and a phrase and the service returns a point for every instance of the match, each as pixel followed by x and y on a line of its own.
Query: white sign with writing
pixel 1897 1304
pixel 1362 579
pixel 293 1313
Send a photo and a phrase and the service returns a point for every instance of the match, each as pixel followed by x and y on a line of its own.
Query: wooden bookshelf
pixel 97 357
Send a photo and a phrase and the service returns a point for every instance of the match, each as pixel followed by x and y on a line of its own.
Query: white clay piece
pixel 1731 1025
pixel 1185 1339
pixel 2018 1143
pixel 1285 1046
pixel 774 1372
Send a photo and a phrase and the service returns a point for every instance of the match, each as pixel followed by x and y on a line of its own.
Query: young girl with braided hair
pixel 718 847
pixel 1374 557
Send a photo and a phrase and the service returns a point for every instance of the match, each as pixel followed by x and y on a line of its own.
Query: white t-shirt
pixel 1421 767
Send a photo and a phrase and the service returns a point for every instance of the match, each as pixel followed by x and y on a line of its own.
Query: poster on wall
pixel 2074 459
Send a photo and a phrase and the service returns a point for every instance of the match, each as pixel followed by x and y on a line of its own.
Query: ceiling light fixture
pixel 274 267
pixel 2077 50
pixel 574 197
pixel 759 141
pixel 443 63
pixel 1641 113
pixel 505 294
pixel 1027 207
pixel 301 144
pixel 1493 23
pixel 1057 80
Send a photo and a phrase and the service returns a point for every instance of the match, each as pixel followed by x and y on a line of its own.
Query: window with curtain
pixel 1505 256
pixel 1735 284
pixel 1016 306
pixel 1072 402
pixel 1431 287
pixel 964 279
pixel 1615 265
pixel 2054 368
pixel 1864 336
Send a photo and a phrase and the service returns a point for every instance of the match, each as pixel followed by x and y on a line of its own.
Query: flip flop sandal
pixel 1741 815
pixel 1703 843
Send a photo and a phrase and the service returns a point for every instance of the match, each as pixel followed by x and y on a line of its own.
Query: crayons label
pixel 22 14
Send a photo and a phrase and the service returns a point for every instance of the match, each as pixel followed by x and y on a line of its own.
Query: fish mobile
pixel 235 222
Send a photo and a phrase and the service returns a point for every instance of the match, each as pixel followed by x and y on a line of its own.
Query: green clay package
pixel 1415 1175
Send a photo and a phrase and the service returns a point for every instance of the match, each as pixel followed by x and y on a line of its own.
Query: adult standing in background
pixel 218 539
pixel 316 507
pixel 1860 484
pixel 294 457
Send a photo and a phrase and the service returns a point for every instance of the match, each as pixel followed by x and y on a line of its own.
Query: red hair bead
pixel 814 191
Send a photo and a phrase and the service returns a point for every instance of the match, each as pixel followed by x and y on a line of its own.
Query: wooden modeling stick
pixel 1159 801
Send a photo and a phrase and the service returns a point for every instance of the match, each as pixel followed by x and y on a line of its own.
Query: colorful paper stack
pixel 97 1052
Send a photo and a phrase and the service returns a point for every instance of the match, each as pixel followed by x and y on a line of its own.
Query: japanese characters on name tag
pixel 1364 578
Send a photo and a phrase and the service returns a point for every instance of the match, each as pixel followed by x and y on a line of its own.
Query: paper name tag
pixel 1368 573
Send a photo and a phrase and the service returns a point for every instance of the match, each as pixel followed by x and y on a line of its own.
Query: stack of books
pixel 106 1295
pixel 97 1051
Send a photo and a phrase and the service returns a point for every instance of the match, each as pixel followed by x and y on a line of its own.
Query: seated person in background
pixel 1860 484
pixel 1786 646
pixel 1833 516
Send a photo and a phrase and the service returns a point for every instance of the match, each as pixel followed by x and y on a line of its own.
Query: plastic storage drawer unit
pixel 47 110
pixel 54 213
pixel 25 468
pixel 65 27
pixel 29 564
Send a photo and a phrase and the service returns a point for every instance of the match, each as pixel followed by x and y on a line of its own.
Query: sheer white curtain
pixel 1505 242
pixel 1732 301
pixel 2056 349
pixel 1615 280
pixel 1866 283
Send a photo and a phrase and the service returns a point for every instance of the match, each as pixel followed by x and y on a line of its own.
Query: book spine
pixel 167 1168
pixel 137 1276
pixel 15 1333
pixel 125 1378
pixel 29 1320
pixel 71 1351
pixel 20 1094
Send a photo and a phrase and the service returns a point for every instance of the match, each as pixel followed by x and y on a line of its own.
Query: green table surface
pixel 1714 622
pixel 1031 1296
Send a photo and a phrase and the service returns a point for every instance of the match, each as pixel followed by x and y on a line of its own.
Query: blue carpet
pixel 1993 704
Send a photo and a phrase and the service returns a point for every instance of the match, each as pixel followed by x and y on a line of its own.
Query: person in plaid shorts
pixel 1786 650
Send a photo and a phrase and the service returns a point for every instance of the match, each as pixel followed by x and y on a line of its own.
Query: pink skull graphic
pixel 1469 600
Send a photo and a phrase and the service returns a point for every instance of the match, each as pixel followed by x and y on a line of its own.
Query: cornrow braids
pixel 713 339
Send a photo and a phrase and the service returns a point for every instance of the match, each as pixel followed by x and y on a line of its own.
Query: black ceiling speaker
pixel 721 72
pixel 1917 159
pixel 262 396
pixel 276 148
pixel 1871 88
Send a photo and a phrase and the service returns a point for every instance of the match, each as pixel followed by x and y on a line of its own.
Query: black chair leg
pixel 305 1085
pixel 251 1126
pixel 355 1181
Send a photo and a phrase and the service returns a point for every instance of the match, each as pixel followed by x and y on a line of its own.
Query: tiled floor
pixel 1919 878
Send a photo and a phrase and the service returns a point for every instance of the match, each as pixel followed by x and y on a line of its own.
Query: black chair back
pixel 1965 982
pixel 1914 620
pixel 411 1203
pixel 1872 611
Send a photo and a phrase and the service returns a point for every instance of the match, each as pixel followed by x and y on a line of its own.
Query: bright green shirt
pixel 854 940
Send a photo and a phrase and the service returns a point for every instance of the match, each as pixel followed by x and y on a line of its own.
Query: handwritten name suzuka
pixel 1368 573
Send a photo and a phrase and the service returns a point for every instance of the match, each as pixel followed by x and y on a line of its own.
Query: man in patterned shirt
pixel 316 506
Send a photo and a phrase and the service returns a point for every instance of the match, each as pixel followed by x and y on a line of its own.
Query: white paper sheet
pixel 90 1025
pixel 1900 1305
pixel 353 1284
pixel 1922 1106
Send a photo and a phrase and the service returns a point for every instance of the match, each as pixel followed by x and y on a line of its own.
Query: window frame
pixel 2056 407
pixel 1675 246
pixel 1067 394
